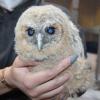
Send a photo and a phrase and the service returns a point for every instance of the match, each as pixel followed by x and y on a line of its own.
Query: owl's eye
pixel 50 30
pixel 30 31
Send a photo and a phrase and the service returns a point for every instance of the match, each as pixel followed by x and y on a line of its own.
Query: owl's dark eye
pixel 30 31
pixel 50 30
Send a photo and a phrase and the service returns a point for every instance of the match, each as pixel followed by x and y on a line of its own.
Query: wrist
pixel 4 85
pixel 7 77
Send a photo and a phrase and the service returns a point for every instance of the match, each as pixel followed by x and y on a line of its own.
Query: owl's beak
pixel 39 41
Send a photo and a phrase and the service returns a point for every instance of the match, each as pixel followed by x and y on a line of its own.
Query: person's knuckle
pixel 34 93
pixel 27 85
pixel 50 74
pixel 30 94
pixel 57 82
pixel 61 89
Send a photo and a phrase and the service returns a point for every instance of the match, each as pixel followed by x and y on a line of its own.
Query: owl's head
pixel 43 31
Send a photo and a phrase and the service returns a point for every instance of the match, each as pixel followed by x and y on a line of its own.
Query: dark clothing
pixel 7 55
pixel 7 24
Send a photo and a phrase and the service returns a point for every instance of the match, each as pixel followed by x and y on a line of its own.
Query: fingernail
pixel 73 58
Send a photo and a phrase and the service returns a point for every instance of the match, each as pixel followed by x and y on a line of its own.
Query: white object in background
pixel 10 4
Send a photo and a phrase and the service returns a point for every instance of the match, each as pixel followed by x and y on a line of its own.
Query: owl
pixel 45 33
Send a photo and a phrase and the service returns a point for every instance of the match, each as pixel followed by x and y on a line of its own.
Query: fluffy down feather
pixel 65 42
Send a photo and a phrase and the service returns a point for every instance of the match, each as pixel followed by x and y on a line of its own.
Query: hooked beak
pixel 39 41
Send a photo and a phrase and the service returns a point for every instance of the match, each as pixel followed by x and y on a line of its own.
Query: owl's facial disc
pixel 42 36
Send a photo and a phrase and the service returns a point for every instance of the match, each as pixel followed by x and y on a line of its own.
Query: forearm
pixel 4 87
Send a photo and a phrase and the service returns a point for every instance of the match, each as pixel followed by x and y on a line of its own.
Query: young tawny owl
pixel 45 33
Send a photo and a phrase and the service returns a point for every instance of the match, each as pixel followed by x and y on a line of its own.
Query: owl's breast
pixel 51 61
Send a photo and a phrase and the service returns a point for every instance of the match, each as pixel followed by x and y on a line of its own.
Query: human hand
pixel 40 85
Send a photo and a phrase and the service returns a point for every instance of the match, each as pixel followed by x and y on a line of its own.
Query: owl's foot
pixel 79 92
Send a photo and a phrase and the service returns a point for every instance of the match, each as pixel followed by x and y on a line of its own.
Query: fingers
pixel 51 93
pixel 40 83
pixel 64 64
pixel 50 85
pixel 44 76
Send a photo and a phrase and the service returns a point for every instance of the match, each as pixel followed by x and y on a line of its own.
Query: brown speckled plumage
pixel 65 42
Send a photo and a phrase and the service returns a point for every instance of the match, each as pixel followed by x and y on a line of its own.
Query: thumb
pixel 20 63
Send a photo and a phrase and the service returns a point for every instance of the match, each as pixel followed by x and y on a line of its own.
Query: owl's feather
pixel 64 42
